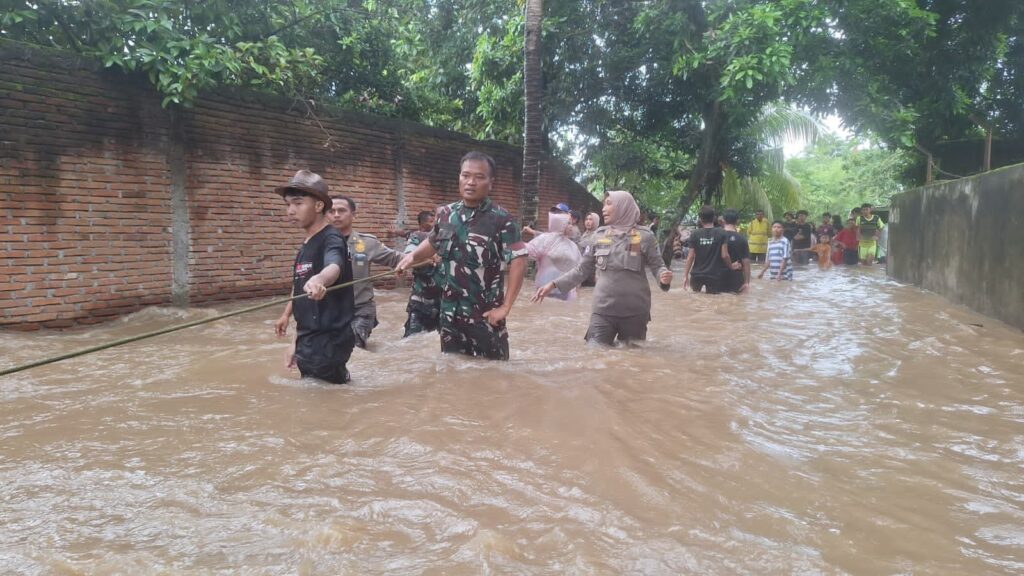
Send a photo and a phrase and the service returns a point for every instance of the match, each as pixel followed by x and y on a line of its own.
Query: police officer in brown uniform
pixel 622 296
pixel 363 250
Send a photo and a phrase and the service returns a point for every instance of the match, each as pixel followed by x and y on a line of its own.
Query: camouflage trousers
pixel 423 316
pixel 474 337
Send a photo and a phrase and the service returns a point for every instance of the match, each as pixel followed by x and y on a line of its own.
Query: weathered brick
pixel 88 233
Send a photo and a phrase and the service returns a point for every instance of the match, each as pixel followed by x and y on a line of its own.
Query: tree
pixel 183 47
pixel 836 174
pixel 533 102
pixel 914 71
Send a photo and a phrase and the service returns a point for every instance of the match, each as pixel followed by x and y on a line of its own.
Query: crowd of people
pixel 468 261
pixel 860 240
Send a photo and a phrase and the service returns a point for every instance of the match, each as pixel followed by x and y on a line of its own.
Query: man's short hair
pixel 474 155
pixel 731 216
pixel 866 205
pixel 351 202
pixel 423 216
pixel 804 212
pixel 759 211
pixel 296 193
pixel 706 214
pixel 826 215
pixel 779 222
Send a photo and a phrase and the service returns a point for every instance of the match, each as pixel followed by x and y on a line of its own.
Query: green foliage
pixel 653 173
pixel 182 47
pixel 838 174
pixel 663 97
pixel 914 71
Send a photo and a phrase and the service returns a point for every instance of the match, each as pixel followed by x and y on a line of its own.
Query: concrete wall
pixel 109 203
pixel 963 239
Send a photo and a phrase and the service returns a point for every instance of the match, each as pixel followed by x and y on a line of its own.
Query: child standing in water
pixel 779 258
pixel 823 249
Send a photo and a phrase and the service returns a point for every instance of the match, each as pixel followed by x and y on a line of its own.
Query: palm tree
pixel 774 187
pixel 533 103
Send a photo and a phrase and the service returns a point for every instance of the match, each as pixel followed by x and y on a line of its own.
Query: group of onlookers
pixel 794 239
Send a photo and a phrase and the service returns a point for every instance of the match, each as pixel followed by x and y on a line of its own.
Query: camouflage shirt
pixel 426 280
pixel 474 244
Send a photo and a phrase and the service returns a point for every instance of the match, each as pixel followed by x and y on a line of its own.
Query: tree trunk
pixel 533 97
pixel 706 178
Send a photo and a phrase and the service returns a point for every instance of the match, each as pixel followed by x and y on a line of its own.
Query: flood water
pixel 838 424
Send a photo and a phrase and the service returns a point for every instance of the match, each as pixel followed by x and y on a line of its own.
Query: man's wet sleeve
pixel 511 241
pixel 383 255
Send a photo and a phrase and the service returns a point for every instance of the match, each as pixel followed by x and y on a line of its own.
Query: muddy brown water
pixel 839 424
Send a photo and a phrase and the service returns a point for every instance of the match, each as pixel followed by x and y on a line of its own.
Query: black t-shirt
pixel 706 244
pixel 334 312
pixel 738 251
pixel 806 230
pixel 737 246
pixel 789 230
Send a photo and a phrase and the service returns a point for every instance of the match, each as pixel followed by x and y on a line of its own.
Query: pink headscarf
pixel 625 212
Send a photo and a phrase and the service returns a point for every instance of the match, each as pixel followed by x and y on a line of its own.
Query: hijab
pixel 558 223
pixel 625 212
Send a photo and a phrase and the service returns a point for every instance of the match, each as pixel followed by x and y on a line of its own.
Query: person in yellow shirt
pixel 869 227
pixel 757 236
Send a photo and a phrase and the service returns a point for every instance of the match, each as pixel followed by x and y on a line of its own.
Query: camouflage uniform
pixel 362 250
pixel 424 306
pixel 473 244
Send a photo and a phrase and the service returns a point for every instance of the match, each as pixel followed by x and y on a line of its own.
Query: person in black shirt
pixel 802 239
pixel 323 332
pixel 708 259
pixel 789 226
pixel 739 253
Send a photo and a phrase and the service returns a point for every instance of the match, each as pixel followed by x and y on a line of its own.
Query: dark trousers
pixel 324 355
pixel 711 284
pixel 605 329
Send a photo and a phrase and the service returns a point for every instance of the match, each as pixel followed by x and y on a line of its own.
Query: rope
pixel 177 327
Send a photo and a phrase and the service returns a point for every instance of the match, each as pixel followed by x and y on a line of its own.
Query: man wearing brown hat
pixel 323 331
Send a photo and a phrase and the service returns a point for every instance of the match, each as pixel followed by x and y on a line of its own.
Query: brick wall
pixel 90 167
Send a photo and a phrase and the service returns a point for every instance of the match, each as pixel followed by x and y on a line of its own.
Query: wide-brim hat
pixel 310 183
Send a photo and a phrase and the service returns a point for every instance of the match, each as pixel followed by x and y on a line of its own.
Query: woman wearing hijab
pixel 590 225
pixel 555 252
pixel 622 296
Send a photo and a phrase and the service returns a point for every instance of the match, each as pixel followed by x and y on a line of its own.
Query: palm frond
pixel 779 123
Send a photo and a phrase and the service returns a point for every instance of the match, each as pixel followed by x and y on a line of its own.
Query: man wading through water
pixel 323 331
pixel 363 249
pixel 424 308
pixel 474 237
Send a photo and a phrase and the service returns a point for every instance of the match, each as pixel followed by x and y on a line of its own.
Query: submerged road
pixel 838 424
